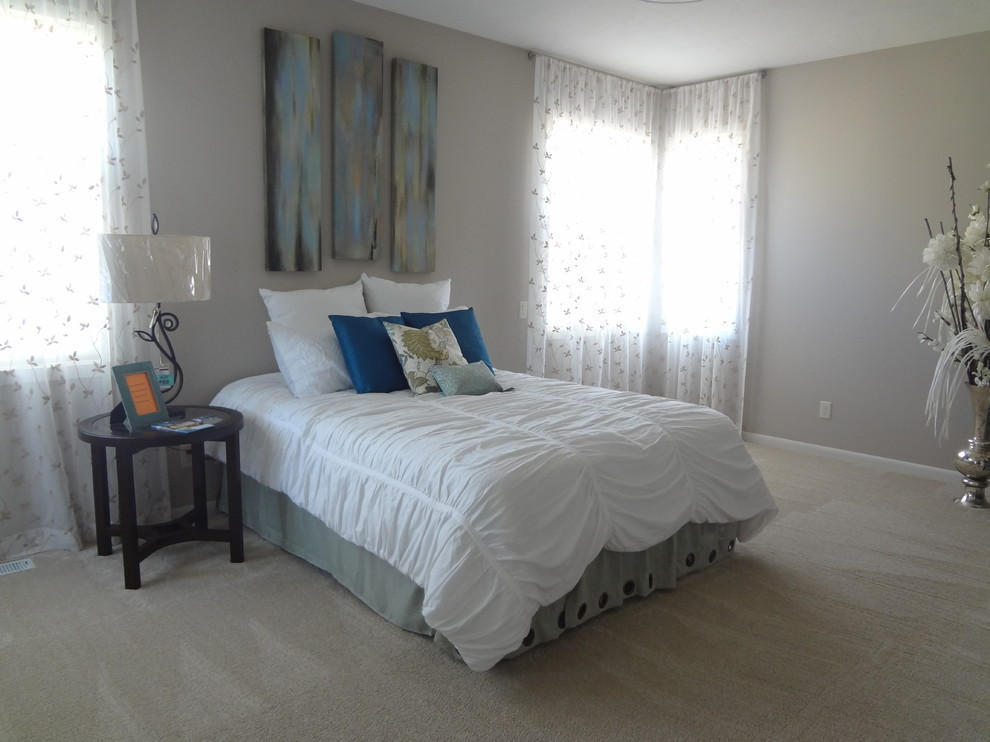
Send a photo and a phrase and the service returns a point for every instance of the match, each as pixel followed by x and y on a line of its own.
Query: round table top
pixel 99 431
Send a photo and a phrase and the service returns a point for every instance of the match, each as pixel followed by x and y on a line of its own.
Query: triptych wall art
pixel 293 154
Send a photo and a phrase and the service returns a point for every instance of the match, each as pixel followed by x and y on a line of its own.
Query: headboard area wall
pixel 203 71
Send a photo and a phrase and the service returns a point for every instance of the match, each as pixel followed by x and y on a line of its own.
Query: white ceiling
pixel 671 44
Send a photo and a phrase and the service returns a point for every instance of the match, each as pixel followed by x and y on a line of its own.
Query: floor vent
pixel 20 565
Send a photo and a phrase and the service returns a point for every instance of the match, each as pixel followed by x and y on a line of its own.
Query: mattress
pixel 496 505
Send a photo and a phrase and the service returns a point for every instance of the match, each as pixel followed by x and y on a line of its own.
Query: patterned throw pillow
pixel 420 349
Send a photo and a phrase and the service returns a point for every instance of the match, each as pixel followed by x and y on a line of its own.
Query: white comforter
pixel 494 505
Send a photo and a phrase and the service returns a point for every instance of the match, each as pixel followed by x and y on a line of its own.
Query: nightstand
pixel 192 526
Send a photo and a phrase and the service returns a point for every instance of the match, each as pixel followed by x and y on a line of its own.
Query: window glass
pixel 50 193
pixel 604 190
pixel 700 253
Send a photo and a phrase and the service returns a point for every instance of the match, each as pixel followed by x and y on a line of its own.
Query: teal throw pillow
pixel 474 378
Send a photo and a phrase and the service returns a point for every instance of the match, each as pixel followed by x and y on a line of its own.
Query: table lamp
pixel 151 269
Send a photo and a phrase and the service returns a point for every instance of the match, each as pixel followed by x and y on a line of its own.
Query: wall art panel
pixel 357 94
pixel 293 162
pixel 414 162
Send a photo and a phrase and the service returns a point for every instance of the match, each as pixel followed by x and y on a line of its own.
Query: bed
pixel 493 522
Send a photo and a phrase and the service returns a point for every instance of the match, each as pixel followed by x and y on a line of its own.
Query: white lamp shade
pixel 145 268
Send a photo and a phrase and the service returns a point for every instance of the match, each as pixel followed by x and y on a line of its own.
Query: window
pixel 701 248
pixel 51 193
pixel 602 221
pixel 643 233
pixel 604 190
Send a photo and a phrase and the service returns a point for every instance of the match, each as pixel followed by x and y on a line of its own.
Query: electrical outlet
pixel 825 410
pixel 523 309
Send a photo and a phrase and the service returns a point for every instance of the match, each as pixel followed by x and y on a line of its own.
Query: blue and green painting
pixel 414 165
pixel 293 161
pixel 357 90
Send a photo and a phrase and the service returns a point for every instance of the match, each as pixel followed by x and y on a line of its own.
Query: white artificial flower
pixel 978 265
pixel 941 253
pixel 976 232
pixel 979 298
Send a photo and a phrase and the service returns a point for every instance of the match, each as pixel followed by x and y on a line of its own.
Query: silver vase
pixel 974 462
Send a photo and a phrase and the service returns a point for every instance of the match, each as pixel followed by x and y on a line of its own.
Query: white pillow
pixel 310 308
pixel 382 295
pixel 311 361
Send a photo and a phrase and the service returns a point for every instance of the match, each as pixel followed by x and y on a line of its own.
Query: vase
pixel 974 462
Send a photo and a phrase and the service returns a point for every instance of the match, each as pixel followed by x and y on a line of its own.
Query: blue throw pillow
pixel 465 327
pixel 368 353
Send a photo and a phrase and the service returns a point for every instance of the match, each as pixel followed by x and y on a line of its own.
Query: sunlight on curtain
pixel 696 189
pixel 595 214
pixel 52 193
pixel 73 162
pixel 593 233
pixel 708 209
pixel 643 233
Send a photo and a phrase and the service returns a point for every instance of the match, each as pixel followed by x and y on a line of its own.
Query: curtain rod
pixel 530 54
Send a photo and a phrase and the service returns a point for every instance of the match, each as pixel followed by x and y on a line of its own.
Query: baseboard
pixel 862 459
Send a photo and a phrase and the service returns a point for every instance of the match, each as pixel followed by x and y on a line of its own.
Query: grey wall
pixel 202 69
pixel 855 160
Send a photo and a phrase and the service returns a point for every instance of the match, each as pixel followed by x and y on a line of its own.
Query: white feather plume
pixel 966 350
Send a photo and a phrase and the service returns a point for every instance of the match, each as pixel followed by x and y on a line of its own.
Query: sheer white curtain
pixel 709 147
pixel 72 148
pixel 643 234
pixel 595 172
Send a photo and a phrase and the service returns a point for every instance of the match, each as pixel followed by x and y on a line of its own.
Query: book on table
pixel 186 426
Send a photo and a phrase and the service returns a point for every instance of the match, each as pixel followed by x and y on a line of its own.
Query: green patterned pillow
pixel 420 349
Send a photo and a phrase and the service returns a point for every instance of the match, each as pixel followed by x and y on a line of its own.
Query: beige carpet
pixel 861 613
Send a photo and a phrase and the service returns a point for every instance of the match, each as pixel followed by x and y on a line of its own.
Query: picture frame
pixel 140 395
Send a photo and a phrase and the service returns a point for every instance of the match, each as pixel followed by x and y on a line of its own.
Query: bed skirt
pixel 610 579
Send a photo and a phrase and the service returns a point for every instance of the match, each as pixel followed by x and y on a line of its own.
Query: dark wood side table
pixel 192 526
